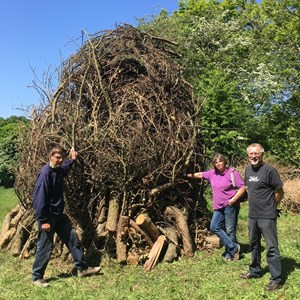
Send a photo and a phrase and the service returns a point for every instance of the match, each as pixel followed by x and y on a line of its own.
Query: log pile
pixel 123 104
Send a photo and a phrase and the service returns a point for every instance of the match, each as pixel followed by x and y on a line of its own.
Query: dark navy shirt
pixel 261 184
pixel 48 192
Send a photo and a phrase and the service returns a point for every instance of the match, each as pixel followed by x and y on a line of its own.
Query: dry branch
pixel 122 103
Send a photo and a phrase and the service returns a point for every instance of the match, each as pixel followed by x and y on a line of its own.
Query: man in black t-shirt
pixel 264 194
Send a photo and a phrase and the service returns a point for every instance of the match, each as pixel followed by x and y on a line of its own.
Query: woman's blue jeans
pixel 62 226
pixel 223 224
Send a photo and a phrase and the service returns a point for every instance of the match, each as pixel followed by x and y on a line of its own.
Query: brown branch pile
pixel 123 104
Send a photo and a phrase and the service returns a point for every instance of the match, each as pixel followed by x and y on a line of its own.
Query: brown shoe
pixel 40 283
pixel 236 255
pixel 273 286
pixel 88 272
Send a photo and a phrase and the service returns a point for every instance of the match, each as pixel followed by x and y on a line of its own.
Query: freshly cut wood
pixel 214 241
pixel 133 258
pixel 154 254
pixel 144 234
pixel 113 214
pixel 182 226
pixel 147 225
pixel 121 240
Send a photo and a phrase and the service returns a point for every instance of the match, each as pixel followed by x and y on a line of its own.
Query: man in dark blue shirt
pixel 265 192
pixel 48 203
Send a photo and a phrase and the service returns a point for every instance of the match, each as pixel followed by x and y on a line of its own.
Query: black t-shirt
pixel 261 183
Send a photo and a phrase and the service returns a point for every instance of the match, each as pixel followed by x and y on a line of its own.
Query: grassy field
pixel 205 276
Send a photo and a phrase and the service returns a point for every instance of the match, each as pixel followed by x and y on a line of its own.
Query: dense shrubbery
pixel 9 130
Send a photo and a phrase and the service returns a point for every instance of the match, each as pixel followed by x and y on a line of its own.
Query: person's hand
pixel 278 212
pixel 73 153
pixel 231 202
pixel 46 227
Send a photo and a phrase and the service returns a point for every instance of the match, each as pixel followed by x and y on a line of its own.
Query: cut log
pixel 214 241
pixel 147 225
pixel 155 252
pixel 133 258
pixel 144 234
pixel 173 247
pixel 113 213
pixel 160 189
pixel 182 226
pixel 121 241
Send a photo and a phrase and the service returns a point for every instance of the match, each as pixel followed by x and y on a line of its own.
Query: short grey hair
pixel 261 148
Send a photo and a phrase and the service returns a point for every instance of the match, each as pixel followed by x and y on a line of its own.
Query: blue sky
pixel 38 34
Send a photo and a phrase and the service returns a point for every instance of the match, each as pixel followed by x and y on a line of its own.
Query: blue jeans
pixel 268 229
pixel 223 224
pixel 62 226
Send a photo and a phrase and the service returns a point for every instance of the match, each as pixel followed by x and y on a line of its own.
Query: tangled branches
pixel 122 103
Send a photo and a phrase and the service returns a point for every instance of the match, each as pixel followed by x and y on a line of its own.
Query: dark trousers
pixel 268 229
pixel 61 225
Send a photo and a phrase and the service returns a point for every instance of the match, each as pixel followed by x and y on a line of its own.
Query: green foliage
pixel 242 58
pixel 9 133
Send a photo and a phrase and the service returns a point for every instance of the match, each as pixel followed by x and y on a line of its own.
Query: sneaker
pixel 273 286
pixel 40 283
pixel 88 272
pixel 236 255
pixel 227 259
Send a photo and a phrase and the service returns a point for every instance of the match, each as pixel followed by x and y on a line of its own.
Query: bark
pixel 148 226
pixel 113 214
pixel 183 229
pixel 10 226
pixel 173 248
pixel 121 241
pixel 141 232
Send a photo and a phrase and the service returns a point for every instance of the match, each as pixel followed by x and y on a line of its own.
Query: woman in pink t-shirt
pixel 225 203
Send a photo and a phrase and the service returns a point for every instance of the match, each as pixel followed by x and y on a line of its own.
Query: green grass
pixel 205 276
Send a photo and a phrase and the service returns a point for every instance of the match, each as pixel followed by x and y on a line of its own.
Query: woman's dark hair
pixel 220 157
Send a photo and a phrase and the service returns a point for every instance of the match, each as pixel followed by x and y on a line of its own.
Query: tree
pixel 242 59
pixel 9 131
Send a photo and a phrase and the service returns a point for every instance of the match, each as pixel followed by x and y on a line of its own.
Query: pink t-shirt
pixel 221 185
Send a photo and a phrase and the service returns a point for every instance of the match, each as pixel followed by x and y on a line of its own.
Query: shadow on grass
pixel 73 273
pixel 288 266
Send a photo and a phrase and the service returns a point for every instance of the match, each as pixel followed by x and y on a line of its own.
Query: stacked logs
pixel 123 104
